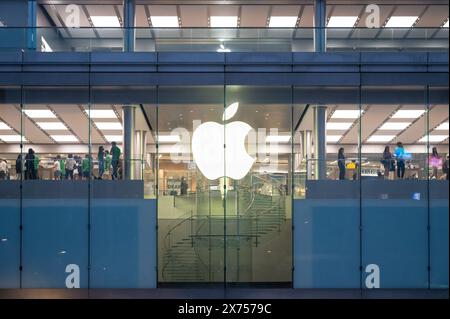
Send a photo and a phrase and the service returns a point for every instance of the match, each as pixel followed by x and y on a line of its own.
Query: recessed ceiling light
pixel 114 138
pixel 394 126
pixel 380 138
pixel 442 127
pixel 408 114
pixel 168 138
pixel 338 126
pixel 342 21
pixel 12 138
pixel 333 138
pixel 223 21
pixel 345 114
pixel 3 126
pixel 282 22
pixel 101 114
pixel 431 138
pixel 401 21
pixel 64 138
pixel 109 125
pixel 52 125
pixel 40 114
pixel 278 138
pixel 165 21
pixel 105 21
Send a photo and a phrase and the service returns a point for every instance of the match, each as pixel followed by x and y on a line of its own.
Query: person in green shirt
pixel 62 166
pixel 86 166
pixel 115 153
pixel 107 163
pixel 36 166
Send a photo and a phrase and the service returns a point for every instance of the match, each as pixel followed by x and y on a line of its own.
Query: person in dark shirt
pixel 19 166
pixel 30 171
pixel 341 163
pixel 115 155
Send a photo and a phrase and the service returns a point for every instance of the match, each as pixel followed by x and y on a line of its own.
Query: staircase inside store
pixel 195 244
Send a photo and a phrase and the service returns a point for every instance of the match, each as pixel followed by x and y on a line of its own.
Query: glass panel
pixel 326 190
pixel 11 168
pixel 394 187
pixel 123 191
pixel 438 170
pixel 191 196
pixel 55 193
pixel 258 201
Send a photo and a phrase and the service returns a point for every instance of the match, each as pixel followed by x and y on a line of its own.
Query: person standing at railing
pixel 57 168
pixel 70 166
pixel 30 172
pixel 107 164
pixel 400 154
pixel 341 163
pixel 115 153
pixel 435 162
pixel 86 166
pixel 18 166
pixel 388 163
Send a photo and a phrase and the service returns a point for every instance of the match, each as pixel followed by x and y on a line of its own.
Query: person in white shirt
pixel 70 166
pixel 57 168
pixel 3 169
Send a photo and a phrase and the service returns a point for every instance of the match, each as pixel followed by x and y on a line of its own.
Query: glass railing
pixel 54 39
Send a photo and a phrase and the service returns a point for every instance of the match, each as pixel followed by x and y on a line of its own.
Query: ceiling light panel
pixel 105 21
pixel 40 114
pixel 380 138
pixel 12 138
pixel 109 125
pixel 433 138
pixel 283 22
pixel 168 138
pixel 408 114
pixel 345 114
pixel 51 126
pixel 223 21
pixel 101 114
pixel 3 126
pixel 401 21
pixel 164 21
pixel 342 21
pixel 441 127
pixel 64 138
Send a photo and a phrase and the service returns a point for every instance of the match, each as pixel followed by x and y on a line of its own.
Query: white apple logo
pixel 215 161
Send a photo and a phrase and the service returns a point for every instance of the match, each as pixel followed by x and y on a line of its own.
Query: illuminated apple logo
pixel 210 155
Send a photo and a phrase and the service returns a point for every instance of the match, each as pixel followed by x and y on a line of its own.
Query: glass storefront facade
pixel 287 186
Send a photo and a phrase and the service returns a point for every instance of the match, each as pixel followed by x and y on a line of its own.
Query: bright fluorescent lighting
pixel 345 114
pixel 3 126
pixel 109 125
pixel 222 48
pixel 431 138
pixel 105 21
pixel 168 138
pixel 40 114
pixel 165 21
pixel 45 47
pixel 114 138
pixel 223 21
pixel 11 138
pixel 342 21
pixel 338 126
pixel 64 138
pixel 52 125
pixel 407 114
pixel 283 22
pixel 333 138
pixel 401 22
pixel 394 126
pixel 278 138
pixel 102 114
pixel 442 127
pixel 445 25
pixel 380 138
